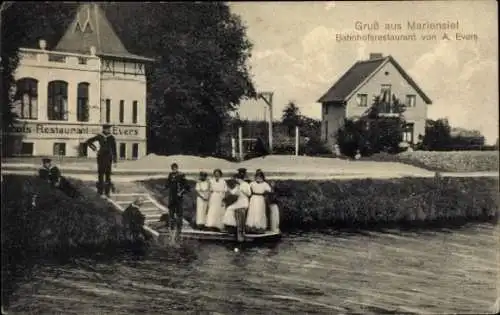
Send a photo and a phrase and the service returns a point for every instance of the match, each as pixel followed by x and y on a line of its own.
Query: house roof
pixel 359 74
pixel 91 28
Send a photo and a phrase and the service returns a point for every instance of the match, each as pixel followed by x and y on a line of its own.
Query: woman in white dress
pixel 239 207
pixel 256 217
pixel 202 194
pixel 218 189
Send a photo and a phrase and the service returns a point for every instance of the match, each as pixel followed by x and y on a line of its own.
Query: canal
pixel 440 271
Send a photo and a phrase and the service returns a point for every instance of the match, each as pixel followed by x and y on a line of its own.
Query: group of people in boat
pixel 223 206
pixel 236 206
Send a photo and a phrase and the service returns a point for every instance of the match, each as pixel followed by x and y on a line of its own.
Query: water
pixel 312 273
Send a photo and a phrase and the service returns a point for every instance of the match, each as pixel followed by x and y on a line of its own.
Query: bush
pixel 316 147
pixel 451 161
pixel 370 203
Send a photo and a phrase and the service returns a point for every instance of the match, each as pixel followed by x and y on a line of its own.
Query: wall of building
pixel 127 87
pixel 115 85
pixel 400 88
pixel 35 64
pixel 332 119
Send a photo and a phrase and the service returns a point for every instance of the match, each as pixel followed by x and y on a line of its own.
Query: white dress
pixel 256 216
pixel 216 209
pixel 242 190
pixel 202 188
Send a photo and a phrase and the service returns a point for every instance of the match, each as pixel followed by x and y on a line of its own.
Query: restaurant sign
pixel 67 130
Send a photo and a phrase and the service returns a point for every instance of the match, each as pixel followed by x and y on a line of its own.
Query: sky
pixel 297 56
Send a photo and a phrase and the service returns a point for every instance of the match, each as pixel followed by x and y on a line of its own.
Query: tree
pixel 374 131
pixel 22 25
pixel 200 74
pixel 437 134
pixel 200 71
pixel 291 117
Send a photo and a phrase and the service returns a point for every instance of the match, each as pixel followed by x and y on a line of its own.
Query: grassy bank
pixel 57 227
pixel 378 203
pixel 450 161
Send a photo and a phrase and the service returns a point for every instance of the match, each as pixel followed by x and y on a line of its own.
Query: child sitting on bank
pixel 51 173
pixel 134 220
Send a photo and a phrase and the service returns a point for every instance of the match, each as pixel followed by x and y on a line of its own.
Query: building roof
pixel 359 74
pixel 91 28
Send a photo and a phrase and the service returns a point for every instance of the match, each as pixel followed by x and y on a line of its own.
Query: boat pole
pixel 240 142
pixel 296 140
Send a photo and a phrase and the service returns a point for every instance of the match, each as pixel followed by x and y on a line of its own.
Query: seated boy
pixel 52 175
pixel 134 220
pixel 50 172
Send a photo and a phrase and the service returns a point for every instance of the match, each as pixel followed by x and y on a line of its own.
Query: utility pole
pixel 268 98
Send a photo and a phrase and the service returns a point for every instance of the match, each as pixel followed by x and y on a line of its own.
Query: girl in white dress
pixel 203 193
pixel 218 189
pixel 256 218
pixel 242 190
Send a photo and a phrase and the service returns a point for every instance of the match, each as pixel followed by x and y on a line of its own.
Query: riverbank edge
pixel 31 234
pixel 367 204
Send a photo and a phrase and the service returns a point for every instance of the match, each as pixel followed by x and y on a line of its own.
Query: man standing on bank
pixel 177 187
pixel 105 157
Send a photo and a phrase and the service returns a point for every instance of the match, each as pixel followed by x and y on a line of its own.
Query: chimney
pixel 42 44
pixel 376 56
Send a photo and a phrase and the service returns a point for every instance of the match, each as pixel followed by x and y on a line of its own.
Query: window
pixel 362 100
pixel 57 108
pixel 82 102
pixel 57 58
pixel 27 148
pixel 411 100
pixel 26 98
pixel 82 60
pixel 386 92
pixel 386 95
pixel 325 108
pixel 59 148
pixel 408 133
pixel 82 150
pixel 134 112
pixel 135 150
pixel 122 109
pixel 123 150
pixel 108 110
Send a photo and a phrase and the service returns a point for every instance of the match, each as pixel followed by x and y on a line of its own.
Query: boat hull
pixel 193 234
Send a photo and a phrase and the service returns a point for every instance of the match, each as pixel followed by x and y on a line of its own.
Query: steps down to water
pixel 127 192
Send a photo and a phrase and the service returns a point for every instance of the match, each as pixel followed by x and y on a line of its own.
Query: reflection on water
pixel 320 273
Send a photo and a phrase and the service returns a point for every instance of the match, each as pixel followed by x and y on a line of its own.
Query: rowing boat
pixel 189 233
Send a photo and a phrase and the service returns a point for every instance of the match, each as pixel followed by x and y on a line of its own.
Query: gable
pixel 359 74
pixel 91 28
pixel 397 75
pixel 351 80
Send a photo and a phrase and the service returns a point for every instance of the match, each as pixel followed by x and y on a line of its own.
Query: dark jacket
pixel 177 186
pixel 134 218
pixel 107 146
pixel 52 174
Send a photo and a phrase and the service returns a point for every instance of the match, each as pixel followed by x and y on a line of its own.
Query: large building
pixel 64 96
pixel 353 93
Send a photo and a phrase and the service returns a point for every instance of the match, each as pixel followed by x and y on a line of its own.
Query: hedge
pixel 445 161
pixel 370 203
